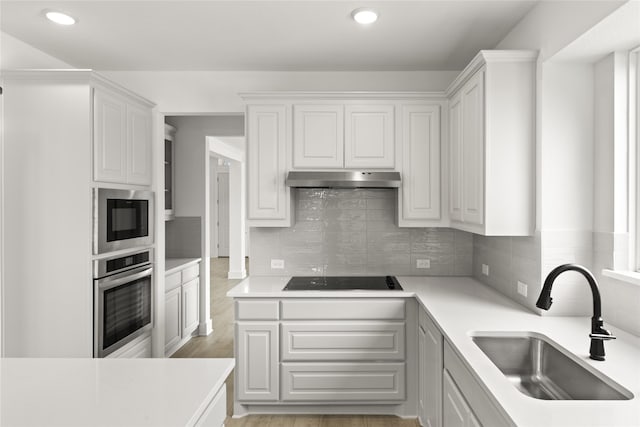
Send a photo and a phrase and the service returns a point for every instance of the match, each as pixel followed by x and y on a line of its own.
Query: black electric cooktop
pixel 343 283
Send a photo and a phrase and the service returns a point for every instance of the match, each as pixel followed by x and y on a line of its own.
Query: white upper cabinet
pixel 492 145
pixel 139 145
pixel 346 135
pixel 267 139
pixel 110 137
pixel 369 136
pixel 473 150
pixel 318 136
pixel 122 139
pixel 420 195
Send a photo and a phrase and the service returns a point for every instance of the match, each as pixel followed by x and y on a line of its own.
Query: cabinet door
pixel 369 136
pixel 172 328
pixel 431 372
pixel 190 307
pixel 473 149
pixel 266 139
pixel 258 364
pixel 138 145
pixel 454 408
pixel 455 158
pixel 318 136
pixel 110 138
pixel 421 162
pixel 422 379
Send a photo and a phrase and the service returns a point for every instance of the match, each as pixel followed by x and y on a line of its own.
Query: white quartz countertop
pixel 461 306
pixel 171 265
pixel 108 392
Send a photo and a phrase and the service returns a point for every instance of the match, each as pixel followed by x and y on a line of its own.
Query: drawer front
pixel 172 281
pixel 344 309
pixel 257 310
pixel 190 273
pixel 343 382
pixel 342 341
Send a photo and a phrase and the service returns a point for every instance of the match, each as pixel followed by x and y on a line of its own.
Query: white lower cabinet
pixel 339 382
pixel 321 351
pixel 483 410
pixel 190 302
pixel 456 411
pixel 172 330
pixel 257 361
pixel 181 307
pixel 430 371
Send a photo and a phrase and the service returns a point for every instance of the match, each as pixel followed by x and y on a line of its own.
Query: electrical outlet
pixel 423 263
pixel 522 288
pixel 277 264
pixel 485 269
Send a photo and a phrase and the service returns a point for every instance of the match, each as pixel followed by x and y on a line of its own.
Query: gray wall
pixel 353 232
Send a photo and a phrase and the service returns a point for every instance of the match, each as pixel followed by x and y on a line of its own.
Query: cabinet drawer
pixel 190 273
pixel 343 309
pixel 343 382
pixel 484 408
pixel 172 281
pixel 257 310
pixel 342 341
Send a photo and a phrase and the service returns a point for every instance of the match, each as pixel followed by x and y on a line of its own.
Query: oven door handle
pixel 127 276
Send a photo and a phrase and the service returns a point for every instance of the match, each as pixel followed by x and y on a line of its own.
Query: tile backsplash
pixel 353 232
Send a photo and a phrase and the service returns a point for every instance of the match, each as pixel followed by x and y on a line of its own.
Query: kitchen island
pixel 113 392
pixel 462 306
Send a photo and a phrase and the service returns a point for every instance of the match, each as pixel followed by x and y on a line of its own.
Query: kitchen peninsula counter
pixel 112 392
pixel 461 306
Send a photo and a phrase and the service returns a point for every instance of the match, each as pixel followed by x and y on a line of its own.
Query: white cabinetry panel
pixel 348 309
pixel 258 363
pixel 139 145
pixel 492 145
pixel 420 164
pixel 110 137
pixel 343 381
pixel 455 156
pixel 456 412
pixel 267 148
pixel 342 341
pixel 172 326
pixel 190 306
pixel 430 347
pixel 257 310
pixel 473 149
pixel 318 136
pixel 369 136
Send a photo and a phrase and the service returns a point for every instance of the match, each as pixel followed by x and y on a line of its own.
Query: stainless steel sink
pixel 543 370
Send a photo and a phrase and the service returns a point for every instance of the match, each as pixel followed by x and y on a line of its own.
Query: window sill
pixel 624 276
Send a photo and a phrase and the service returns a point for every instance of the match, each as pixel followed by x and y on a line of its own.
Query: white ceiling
pixel 264 35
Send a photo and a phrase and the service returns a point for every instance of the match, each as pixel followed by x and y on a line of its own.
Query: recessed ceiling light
pixel 60 18
pixel 364 16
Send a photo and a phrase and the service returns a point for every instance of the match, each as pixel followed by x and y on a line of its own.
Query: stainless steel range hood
pixel 342 179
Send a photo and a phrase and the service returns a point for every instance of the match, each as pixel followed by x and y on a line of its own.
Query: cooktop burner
pixel 341 283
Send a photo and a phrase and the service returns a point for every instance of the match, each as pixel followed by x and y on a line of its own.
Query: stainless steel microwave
pixel 122 219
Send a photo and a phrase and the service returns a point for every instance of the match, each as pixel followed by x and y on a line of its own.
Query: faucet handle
pixel 603 337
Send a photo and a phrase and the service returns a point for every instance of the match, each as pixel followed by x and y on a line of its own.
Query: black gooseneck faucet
pixel 598 334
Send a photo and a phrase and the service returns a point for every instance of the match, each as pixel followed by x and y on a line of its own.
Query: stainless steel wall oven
pixel 122 219
pixel 123 300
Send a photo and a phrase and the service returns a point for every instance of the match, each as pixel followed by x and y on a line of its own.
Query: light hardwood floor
pixel 220 344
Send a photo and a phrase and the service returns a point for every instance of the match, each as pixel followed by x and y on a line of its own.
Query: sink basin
pixel 543 370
